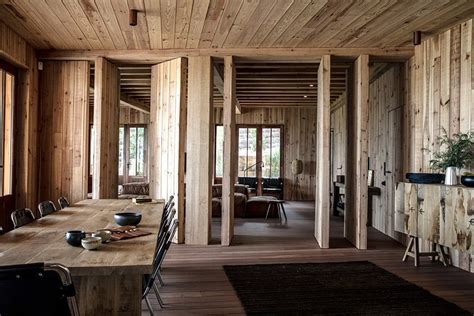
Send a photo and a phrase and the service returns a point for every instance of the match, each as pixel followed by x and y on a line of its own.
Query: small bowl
pixel 128 218
pixel 468 181
pixel 105 235
pixel 74 237
pixel 91 243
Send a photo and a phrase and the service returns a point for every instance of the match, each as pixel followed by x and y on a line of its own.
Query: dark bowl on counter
pixel 468 181
pixel 74 237
pixel 128 218
pixel 425 178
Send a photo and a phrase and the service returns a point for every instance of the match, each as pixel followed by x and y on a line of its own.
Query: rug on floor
pixel 356 288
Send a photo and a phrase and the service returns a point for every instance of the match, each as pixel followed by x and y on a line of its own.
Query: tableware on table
pixel 128 218
pixel 91 243
pixel 74 237
pixel 468 181
pixel 104 234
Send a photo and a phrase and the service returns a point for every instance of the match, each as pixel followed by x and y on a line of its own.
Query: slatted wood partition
pixel 299 141
pixel 199 151
pixel 355 219
pixel 441 98
pixel 132 116
pixel 167 134
pixel 230 159
pixel 339 136
pixel 106 129
pixel 64 130
pixel 323 130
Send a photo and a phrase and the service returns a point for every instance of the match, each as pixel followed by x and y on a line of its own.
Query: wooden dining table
pixel 108 280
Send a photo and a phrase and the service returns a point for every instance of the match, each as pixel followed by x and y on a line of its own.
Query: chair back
pixel 63 202
pixel 22 217
pixel 46 208
pixel 36 289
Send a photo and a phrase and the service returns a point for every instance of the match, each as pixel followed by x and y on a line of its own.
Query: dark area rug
pixel 341 288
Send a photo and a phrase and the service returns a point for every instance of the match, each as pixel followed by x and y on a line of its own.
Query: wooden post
pixel 228 177
pixel 199 151
pixel 323 178
pixel 167 134
pixel 355 219
pixel 106 130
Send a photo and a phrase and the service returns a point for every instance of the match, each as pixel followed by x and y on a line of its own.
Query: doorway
pixel 133 153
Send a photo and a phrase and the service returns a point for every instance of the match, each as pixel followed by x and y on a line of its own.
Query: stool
pixel 279 204
pixel 437 252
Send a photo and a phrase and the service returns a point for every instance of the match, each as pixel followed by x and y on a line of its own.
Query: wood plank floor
pixel 197 284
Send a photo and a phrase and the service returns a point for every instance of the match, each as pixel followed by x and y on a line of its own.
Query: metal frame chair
pixel 46 208
pixel 37 289
pixel 63 202
pixel 22 217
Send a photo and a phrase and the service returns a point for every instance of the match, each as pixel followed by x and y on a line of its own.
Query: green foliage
pixel 457 151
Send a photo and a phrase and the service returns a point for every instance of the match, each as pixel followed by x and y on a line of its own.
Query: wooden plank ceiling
pixel 171 24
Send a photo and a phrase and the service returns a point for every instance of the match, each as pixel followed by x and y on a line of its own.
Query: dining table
pixel 108 280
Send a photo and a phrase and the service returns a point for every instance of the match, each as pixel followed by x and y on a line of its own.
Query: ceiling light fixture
pixel 133 17
pixel 417 38
pixel 311 85
pixel 305 96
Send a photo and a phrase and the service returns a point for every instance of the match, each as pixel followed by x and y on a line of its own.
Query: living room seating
pixel 270 186
pixel 241 196
pixel 133 189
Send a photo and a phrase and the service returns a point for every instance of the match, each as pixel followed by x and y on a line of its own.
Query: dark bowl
pixel 74 237
pixel 425 177
pixel 468 181
pixel 128 218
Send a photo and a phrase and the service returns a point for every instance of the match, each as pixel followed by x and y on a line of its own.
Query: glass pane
pixel 121 157
pixel 132 162
pixel 219 150
pixel 275 153
pixel 266 152
pixel 140 151
pixel 247 152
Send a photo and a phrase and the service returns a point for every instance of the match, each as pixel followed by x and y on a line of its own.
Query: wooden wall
pixel 132 116
pixel 16 50
pixel 441 88
pixel 299 141
pixel 167 134
pixel 64 130
pixel 338 137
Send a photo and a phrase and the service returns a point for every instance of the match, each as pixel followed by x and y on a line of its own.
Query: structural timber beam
pixel 219 84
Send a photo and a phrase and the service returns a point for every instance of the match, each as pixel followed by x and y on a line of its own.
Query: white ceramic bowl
pixel 104 234
pixel 91 243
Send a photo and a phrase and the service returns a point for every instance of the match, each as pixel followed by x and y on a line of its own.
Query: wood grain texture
pixel 299 131
pixel 64 132
pixel 167 134
pixel 229 158
pixel 355 219
pixel 323 131
pixel 108 279
pixel 216 24
pixel 199 151
pixel 106 123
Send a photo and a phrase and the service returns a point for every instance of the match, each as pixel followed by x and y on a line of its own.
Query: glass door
pixel 132 153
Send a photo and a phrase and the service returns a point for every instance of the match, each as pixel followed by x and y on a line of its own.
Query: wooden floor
pixel 196 283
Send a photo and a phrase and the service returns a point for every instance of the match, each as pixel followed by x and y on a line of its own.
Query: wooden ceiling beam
pixel 219 84
pixel 134 103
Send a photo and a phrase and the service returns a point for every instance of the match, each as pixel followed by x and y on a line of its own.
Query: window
pixel 7 92
pixel 247 152
pixel 271 152
pixel 121 150
pixel 136 152
pixel 219 170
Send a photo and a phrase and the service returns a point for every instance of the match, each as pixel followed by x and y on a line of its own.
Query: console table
pixel 441 214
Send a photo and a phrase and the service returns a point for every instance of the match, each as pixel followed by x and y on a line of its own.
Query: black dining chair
pixel 46 208
pixel 63 202
pixel 37 289
pixel 22 217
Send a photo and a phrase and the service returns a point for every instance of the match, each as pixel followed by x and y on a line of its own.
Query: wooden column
pixel 228 178
pixel 64 132
pixel 106 130
pixel 167 134
pixel 199 151
pixel 323 178
pixel 355 219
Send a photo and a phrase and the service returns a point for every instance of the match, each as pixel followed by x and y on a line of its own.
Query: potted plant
pixel 456 152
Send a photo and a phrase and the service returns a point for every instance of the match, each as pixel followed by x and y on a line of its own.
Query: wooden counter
pixel 108 280
pixel 439 213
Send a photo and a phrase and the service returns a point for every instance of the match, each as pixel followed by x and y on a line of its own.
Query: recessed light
pixel 311 85
pixel 305 96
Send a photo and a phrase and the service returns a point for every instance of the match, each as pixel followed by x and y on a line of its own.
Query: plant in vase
pixel 456 152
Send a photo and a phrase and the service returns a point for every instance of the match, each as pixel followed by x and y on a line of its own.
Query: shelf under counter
pixel 438 213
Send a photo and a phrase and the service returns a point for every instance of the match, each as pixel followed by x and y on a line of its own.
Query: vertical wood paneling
pixel 441 84
pixel 299 141
pixel 167 134
pixel 64 130
pixel 323 130
pixel 199 151
pixel 106 129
